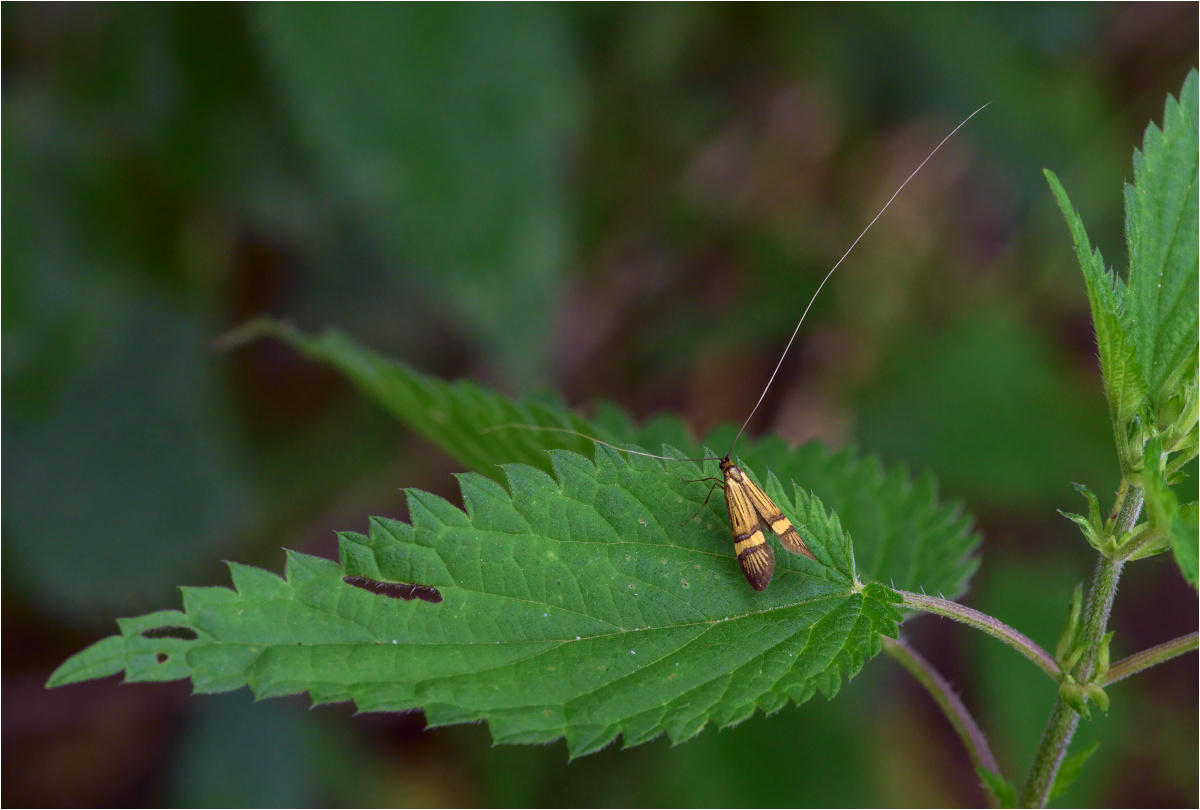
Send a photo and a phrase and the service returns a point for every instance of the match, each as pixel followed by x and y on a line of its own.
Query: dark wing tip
pixel 758 564
pixel 792 541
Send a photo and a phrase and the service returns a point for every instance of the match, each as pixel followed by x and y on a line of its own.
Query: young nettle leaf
pixel 1146 331
pixel 1160 223
pixel 1169 519
pixel 1092 526
pixel 583 605
pixel 1066 642
pixel 1075 695
pixel 1124 383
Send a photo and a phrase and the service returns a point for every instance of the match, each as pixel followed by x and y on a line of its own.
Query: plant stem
pixel 951 705
pixel 1050 754
pixel 993 627
pixel 1095 617
pixel 1060 728
pixel 1148 658
pixel 1131 507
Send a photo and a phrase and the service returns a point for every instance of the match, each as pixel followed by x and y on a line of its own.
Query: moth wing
pixel 754 554
pixel 772 518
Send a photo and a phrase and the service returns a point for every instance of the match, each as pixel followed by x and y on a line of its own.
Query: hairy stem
pixel 951 705
pixel 1148 658
pixel 1096 613
pixel 993 627
pixel 1060 728
pixel 1050 754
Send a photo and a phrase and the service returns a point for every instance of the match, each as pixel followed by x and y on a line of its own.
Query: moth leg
pixel 716 483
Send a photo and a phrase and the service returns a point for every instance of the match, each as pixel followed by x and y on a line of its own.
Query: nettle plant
pixel 574 598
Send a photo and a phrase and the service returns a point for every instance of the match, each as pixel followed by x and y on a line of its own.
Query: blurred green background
pixel 627 202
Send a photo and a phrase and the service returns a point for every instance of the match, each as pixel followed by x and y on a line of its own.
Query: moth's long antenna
pixel 519 426
pixel 835 267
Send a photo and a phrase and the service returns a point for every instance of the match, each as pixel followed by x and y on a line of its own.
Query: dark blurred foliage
pixel 627 202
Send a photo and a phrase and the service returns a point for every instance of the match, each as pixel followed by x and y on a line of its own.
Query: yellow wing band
pixel 757 560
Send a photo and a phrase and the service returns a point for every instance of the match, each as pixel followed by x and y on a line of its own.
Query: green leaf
pixel 1160 226
pixel 1067 640
pixel 1168 517
pixel 1103 657
pixel 1075 696
pixel 1095 692
pixel 1001 788
pixel 584 605
pixel 1124 386
pixel 1071 768
pixel 1181 417
pixel 1184 544
pixel 903 535
pixel 1093 505
pixel 1093 525
pixel 443 131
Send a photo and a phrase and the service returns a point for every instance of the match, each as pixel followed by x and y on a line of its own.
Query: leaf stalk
pixel 951 705
pixel 993 627
pixel 1151 657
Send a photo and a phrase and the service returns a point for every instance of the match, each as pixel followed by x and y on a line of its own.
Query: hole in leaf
pixel 171 631
pixel 162 658
pixel 396 590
